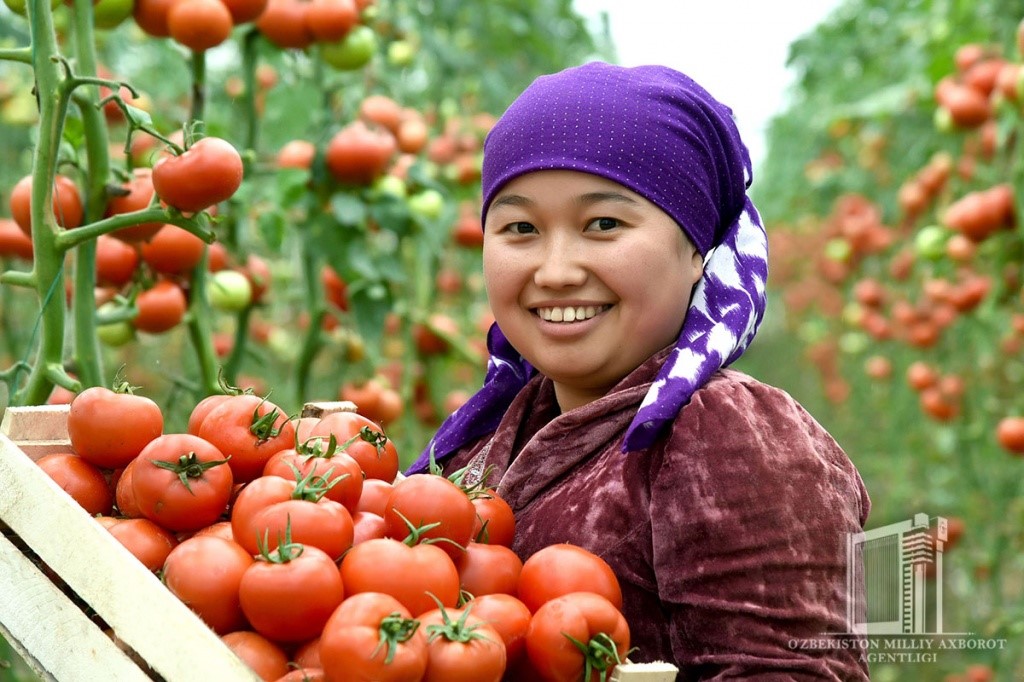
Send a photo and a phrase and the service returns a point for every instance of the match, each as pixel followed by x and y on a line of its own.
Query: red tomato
pixel 173 250
pixel 1010 434
pixel 359 154
pixel 428 499
pixel 138 195
pixel 564 568
pixel 367 526
pixel 245 10
pixel 582 616
pixel 509 617
pixel 373 450
pixel 147 541
pixel 161 307
pixel 124 493
pixel 115 262
pixel 283 23
pixel 84 482
pixel 489 569
pixel 208 172
pixel 412 575
pixel 110 429
pixel 182 482
pixel 304 675
pixel 266 507
pixel 375 496
pixel 13 241
pixel 372 637
pixel 268 660
pixel 67 203
pixel 495 522
pixel 221 529
pixel 296 154
pixel 202 409
pixel 315 459
pixel 289 594
pixel 199 24
pixel 330 20
pixel 205 572
pixel 335 288
pixel 462 648
pixel 252 429
pixel 307 655
pixel 151 16
pixel 257 271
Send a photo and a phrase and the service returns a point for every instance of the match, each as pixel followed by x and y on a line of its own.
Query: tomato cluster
pixel 298 541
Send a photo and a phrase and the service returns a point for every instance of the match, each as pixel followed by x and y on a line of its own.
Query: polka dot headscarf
pixel 657 132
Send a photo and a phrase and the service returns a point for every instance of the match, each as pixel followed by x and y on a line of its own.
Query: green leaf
pixel 370 304
pixel 138 117
pixel 392 214
pixel 271 226
pixel 292 186
pixel 348 209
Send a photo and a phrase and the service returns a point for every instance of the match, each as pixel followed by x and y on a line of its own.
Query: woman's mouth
pixel 566 314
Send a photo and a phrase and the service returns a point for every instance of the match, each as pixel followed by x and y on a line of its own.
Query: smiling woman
pixel 580 280
pixel 626 268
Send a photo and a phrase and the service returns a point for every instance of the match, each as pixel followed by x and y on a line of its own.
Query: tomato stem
pixel 394 630
pixel 189 467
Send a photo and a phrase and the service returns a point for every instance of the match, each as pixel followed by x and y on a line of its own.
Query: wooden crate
pixel 51 629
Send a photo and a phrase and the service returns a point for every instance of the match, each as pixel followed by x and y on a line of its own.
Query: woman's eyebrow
pixel 511 200
pixel 597 197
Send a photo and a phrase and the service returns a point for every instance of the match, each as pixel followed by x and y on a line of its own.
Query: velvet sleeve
pixel 751 504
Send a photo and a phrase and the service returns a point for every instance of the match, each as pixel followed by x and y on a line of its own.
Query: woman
pixel 626 268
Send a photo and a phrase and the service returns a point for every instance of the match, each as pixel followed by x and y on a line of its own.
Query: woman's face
pixel 586 278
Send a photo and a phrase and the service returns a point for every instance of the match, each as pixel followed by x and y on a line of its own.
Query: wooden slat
pixel 644 672
pixel 52 634
pixel 141 611
pixel 319 410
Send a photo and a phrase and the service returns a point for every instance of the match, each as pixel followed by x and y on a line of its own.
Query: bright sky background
pixel 736 49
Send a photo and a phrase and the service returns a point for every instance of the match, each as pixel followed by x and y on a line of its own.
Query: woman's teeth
pixel 570 313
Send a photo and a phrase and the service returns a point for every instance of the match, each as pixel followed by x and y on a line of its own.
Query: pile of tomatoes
pixel 300 544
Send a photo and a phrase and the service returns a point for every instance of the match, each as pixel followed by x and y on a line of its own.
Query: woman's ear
pixel 697 265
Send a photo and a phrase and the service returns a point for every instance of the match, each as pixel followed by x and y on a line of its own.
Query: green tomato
pixel 115 334
pixel 109 14
pixel 838 249
pixel 390 185
pixel 354 51
pixel 930 242
pixel 19 6
pixel 427 203
pixel 401 53
pixel 943 120
pixel 229 290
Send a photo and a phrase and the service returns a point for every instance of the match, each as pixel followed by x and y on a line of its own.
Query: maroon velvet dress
pixel 728 536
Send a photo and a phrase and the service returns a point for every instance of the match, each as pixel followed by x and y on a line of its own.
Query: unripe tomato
pixel 229 290
pixel 354 51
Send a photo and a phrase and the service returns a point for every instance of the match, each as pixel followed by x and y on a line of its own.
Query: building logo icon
pixel 894 578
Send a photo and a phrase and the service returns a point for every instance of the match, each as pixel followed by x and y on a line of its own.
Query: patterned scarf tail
pixel 726 309
pixel 507 373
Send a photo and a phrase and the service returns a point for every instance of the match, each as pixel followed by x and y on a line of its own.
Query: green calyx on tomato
pixel 189 467
pixel 354 51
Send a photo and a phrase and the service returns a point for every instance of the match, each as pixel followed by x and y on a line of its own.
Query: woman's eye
pixel 521 227
pixel 603 224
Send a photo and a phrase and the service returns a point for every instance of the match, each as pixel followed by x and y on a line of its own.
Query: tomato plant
pixel 208 172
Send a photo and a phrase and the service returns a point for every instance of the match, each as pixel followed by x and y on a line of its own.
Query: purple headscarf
pixel 660 134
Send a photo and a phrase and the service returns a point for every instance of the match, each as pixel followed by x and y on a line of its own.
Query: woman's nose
pixel 560 264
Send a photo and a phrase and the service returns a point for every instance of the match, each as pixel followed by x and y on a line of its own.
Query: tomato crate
pixel 64 581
